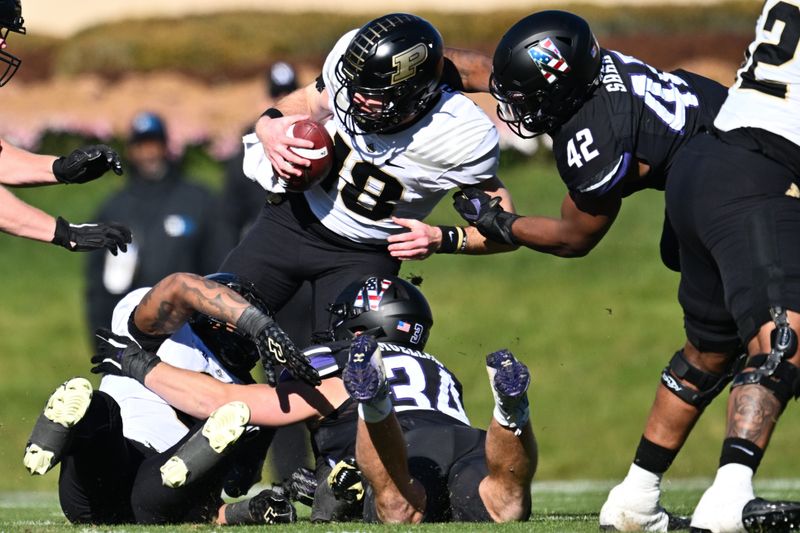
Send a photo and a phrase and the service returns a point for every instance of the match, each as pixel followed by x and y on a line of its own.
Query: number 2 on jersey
pixel 777 40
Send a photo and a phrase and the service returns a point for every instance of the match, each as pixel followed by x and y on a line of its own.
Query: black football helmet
pixel 545 67
pixel 10 20
pixel 395 60
pixel 237 353
pixel 388 308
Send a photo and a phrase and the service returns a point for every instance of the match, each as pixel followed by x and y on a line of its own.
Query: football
pixel 321 155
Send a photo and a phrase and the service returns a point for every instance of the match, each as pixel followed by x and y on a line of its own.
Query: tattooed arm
pixel 168 305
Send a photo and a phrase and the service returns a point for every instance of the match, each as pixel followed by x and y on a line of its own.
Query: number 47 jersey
pixel 638 113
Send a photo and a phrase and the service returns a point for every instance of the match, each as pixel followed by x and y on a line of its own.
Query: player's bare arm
pixel 171 302
pixel 421 240
pixel 199 395
pixel 23 220
pixel 574 234
pixel 304 103
pixel 467 70
pixel 19 167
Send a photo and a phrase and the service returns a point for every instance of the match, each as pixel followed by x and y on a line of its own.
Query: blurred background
pixel 596 331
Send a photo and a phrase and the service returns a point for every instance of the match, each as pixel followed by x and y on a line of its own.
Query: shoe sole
pixel 198 454
pixel 762 516
pixel 362 379
pixel 66 407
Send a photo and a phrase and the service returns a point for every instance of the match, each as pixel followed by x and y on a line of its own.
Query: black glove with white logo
pixel 88 237
pixel 86 164
pixel 118 355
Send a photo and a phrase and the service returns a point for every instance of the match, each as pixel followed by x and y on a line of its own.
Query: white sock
pixel 642 479
pixel 375 411
pixel 735 477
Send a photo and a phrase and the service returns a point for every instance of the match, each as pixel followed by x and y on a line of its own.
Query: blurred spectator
pixel 174 223
pixel 242 202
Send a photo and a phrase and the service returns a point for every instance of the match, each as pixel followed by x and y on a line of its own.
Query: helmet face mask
pixel 545 67
pixel 237 353
pixel 388 308
pixel 389 74
pixel 10 20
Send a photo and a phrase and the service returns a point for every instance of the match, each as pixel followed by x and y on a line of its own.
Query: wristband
pixel 454 240
pixel 272 112
pixel 252 321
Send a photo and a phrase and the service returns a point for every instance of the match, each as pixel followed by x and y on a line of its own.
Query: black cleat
pixel 762 515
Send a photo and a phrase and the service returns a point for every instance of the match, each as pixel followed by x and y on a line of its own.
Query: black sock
pixel 652 457
pixel 740 451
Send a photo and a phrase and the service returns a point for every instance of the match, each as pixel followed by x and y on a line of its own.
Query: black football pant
pixel 108 479
pixel 287 245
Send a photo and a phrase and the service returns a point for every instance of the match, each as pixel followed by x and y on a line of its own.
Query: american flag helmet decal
pixel 370 296
pixel 548 59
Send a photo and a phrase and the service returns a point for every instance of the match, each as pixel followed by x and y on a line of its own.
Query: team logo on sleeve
pixel 548 60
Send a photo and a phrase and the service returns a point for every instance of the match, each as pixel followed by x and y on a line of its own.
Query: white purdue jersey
pixel 147 418
pixel 766 94
pixel 402 174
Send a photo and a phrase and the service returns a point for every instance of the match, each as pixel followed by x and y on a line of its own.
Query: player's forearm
pixel 552 236
pixel 473 67
pixel 193 393
pixel 477 244
pixel 19 167
pixel 23 220
pixel 177 297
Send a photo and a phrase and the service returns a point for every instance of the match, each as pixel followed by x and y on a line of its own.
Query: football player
pixel 450 471
pixel 732 196
pixel 402 138
pixel 617 125
pixel 112 442
pixel 20 168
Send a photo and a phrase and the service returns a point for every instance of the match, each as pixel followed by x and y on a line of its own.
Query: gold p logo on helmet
pixel 407 61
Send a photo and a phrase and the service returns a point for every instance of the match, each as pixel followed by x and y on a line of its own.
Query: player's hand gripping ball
pixel 321 155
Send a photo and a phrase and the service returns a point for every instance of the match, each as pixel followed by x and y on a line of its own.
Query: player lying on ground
pixel 112 442
pixel 453 472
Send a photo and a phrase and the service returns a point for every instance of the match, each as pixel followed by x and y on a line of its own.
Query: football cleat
pixel 201 452
pixel 509 379
pixel 630 508
pixel 761 515
pixel 51 434
pixel 364 376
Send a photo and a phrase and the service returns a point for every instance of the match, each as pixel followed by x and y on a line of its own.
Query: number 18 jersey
pixel 404 173
pixel 638 113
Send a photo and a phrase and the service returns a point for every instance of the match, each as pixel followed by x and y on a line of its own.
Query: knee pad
pixel 708 385
pixel 782 381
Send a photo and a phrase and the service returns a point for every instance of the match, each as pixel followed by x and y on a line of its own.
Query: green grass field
pixel 558 507
pixel 595 331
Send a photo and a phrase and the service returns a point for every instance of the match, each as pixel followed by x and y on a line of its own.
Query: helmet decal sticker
pixel 374 293
pixel 548 59
pixel 407 61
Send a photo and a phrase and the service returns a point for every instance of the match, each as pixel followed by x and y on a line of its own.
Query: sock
pixel 642 479
pixel 375 411
pixel 740 451
pixel 653 457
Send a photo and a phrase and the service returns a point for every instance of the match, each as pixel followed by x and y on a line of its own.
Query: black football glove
pixel 345 481
pixel 486 214
pixel 275 347
pixel 300 486
pixel 86 164
pixel 267 507
pixel 88 237
pixel 121 356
